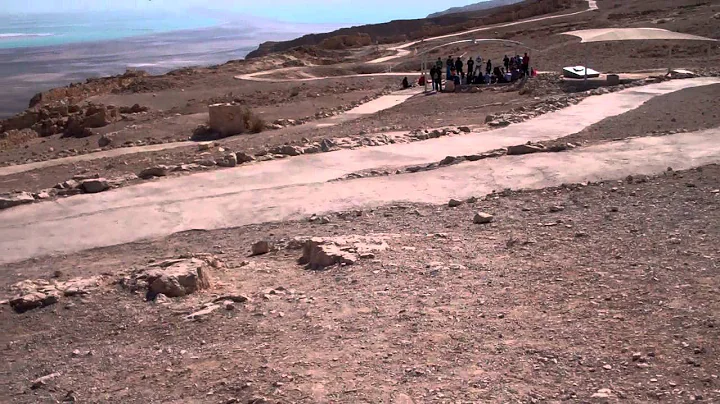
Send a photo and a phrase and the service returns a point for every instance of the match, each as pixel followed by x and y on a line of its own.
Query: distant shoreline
pixel 26 71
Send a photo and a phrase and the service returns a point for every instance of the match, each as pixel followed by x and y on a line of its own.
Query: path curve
pixel 403 51
pixel 291 188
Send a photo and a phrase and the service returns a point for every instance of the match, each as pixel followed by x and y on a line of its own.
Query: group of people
pixel 478 71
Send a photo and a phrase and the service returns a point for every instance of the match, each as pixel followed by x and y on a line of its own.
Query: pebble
pixel 454 203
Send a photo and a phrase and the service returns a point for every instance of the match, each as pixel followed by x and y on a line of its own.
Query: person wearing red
pixel 526 64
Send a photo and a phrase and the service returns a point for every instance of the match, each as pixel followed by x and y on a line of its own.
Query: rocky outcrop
pixel 172 278
pixel 323 252
pixel 33 294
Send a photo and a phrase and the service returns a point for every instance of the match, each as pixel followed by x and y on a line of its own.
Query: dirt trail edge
pixel 229 198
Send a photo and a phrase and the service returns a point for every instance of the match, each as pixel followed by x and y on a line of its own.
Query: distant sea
pixel 43 51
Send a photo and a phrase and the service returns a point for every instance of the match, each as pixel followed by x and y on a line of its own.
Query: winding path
pixel 295 187
pixel 403 51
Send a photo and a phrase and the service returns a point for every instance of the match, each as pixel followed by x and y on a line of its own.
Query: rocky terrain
pixel 586 292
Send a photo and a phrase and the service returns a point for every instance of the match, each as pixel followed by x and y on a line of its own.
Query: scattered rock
pixel 602 393
pixel 261 247
pixel 287 150
pixel 524 149
pixel 228 305
pixel 43 381
pixel 206 162
pixel 232 298
pixel 243 158
pixel 205 146
pixel 499 123
pixel 94 186
pixel 10 200
pixel 202 314
pixel 556 208
pixel 454 203
pixel 464 129
pixel 327 145
pixel 105 140
pixel 160 298
pixel 483 218
pixel 447 160
pixel 156 171
pixel 230 160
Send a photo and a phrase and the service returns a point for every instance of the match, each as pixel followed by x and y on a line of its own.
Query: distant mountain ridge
pixel 483 5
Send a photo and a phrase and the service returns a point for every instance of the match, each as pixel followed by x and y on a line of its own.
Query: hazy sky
pixel 310 11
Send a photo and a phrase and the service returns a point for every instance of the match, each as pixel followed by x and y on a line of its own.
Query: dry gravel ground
pixel 691 110
pixel 609 289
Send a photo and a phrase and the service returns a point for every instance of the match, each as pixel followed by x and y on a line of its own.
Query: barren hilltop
pixel 297 227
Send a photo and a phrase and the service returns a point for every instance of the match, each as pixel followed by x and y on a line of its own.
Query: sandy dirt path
pixel 368 108
pixel 403 51
pixel 291 188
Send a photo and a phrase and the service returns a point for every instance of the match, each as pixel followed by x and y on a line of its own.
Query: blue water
pixel 33 30
pixel 39 52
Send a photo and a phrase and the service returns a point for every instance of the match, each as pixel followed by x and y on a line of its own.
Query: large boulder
pixel 227 119
pixel 319 254
pixel 93 186
pixel 10 200
pixel 176 278
pixel 97 117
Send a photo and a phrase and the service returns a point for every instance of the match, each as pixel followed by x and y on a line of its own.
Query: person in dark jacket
pixel 471 69
pixel 506 62
pixel 449 65
pixel 488 67
pixel 405 83
pixel 459 67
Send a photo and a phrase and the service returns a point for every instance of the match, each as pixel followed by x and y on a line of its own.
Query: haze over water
pixel 42 51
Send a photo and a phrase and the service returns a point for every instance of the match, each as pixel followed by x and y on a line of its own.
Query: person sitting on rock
pixel 405 83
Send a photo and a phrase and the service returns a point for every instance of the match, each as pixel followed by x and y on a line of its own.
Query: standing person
pixel 433 76
pixel 526 64
pixel 488 67
pixel 506 62
pixel 437 79
pixel 478 66
pixel 439 64
pixel 459 67
pixel 471 69
pixel 450 65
